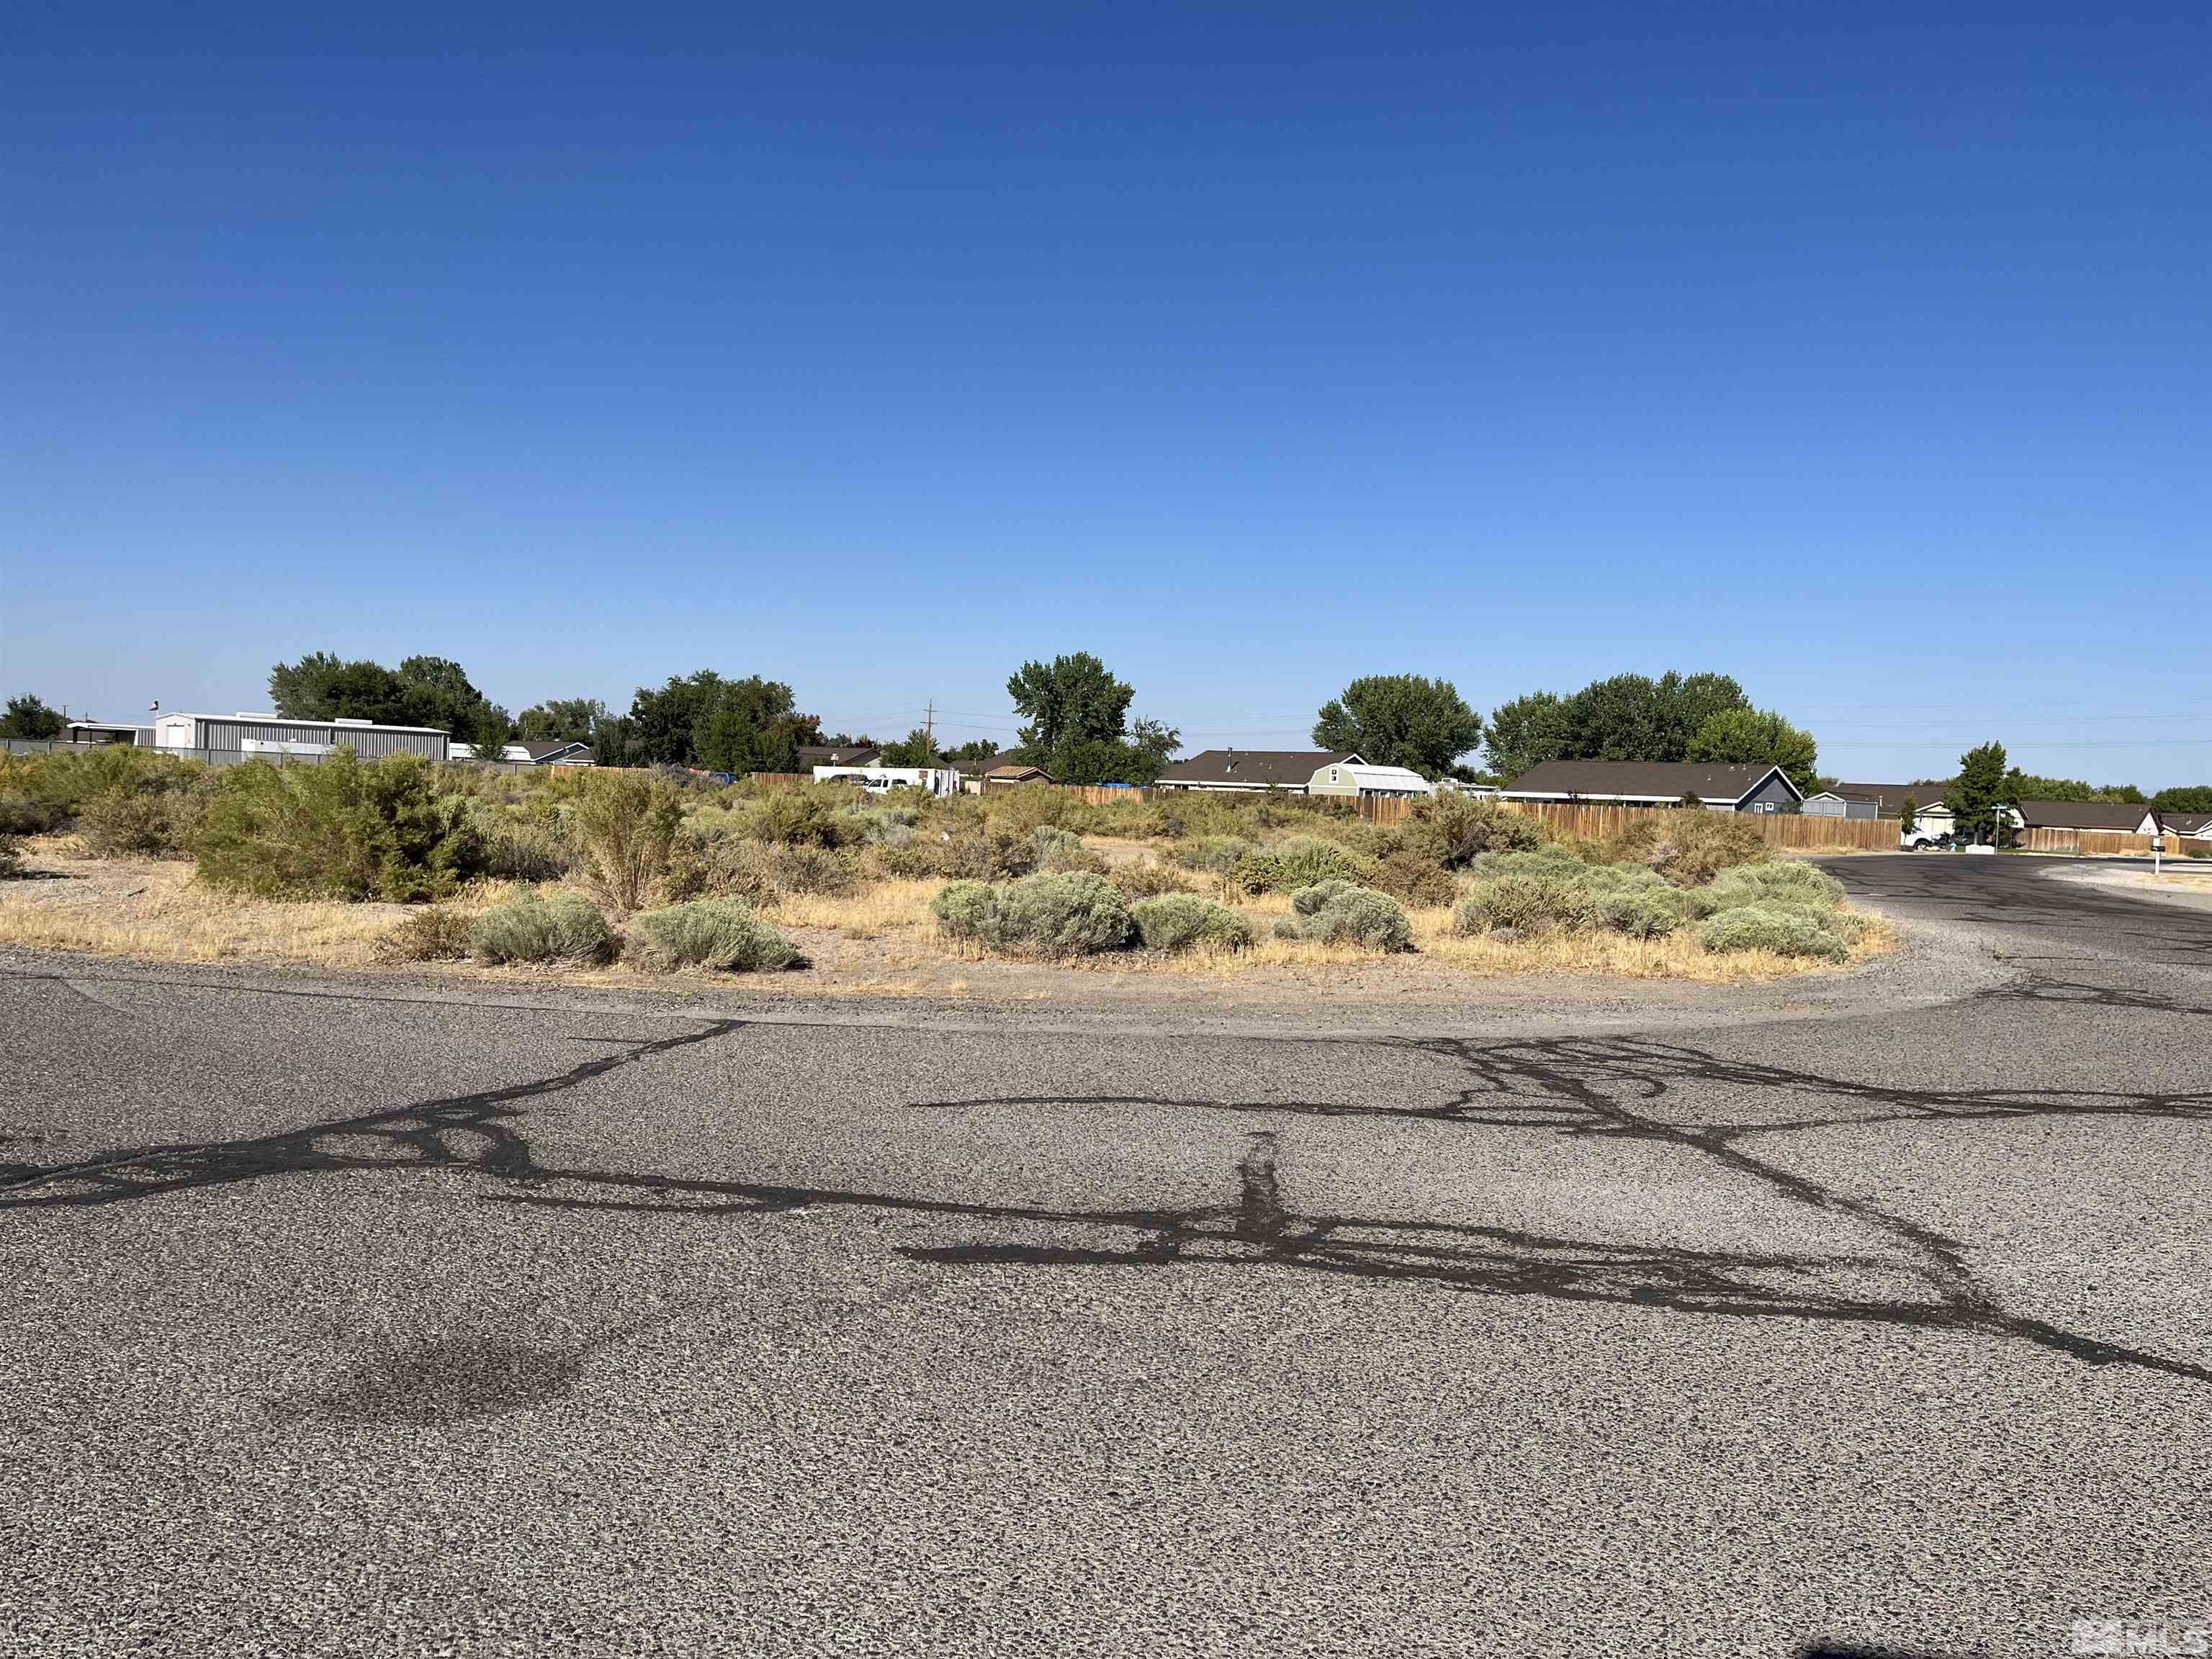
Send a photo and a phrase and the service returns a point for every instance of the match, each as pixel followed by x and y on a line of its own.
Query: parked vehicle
pixel 1921 839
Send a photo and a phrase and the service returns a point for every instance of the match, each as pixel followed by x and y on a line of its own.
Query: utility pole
pixel 929 720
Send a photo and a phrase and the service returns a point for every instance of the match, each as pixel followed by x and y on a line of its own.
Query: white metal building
pixel 1358 780
pixel 272 734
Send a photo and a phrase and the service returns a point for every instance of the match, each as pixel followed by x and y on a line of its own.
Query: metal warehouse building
pixel 217 735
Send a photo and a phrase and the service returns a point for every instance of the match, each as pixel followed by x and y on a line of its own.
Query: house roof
pixel 1890 797
pixel 1019 769
pixel 1255 768
pixel 813 755
pixel 2184 824
pixel 1383 777
pixel 539 751
pixel 1645 780
pixel 2080 814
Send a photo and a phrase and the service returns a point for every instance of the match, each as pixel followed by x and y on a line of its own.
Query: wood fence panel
pixel 1595 821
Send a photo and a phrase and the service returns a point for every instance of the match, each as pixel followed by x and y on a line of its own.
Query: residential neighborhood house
pixel 547 754
pixel 1659 783
pixel 1359 781
pixel 2117 816
pixel 1292 771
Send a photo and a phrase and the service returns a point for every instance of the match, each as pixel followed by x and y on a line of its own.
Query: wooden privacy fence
pixel 2098 843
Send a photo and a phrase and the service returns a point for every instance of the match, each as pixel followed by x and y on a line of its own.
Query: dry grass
pixel 881 940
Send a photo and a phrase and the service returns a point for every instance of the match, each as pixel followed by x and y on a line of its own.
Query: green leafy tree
pixel 1527 732
pixel 562 719
pixel 1909 815
pixel 301 690
pixel 421 691
pixel 1101 760
pixel 1157 740
pixel 730 725
pixel 976 748
pixel 1973 798
pixel 27 717
pixel 2188 798
pixel 1758 737
pixel 1073 699
pixel 916 748
pixel 1400 719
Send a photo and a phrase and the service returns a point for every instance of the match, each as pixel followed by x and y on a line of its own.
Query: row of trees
pixel 1633 717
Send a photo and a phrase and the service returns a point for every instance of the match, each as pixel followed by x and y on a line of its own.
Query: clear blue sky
pixel 1860 352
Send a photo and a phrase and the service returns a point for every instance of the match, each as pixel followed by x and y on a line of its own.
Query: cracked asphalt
pixel 343 1319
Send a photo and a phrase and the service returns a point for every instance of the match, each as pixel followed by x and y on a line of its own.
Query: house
pixel 1290 771
pixel 1012 775
pixel 2191 826
pixel 238 736
pixel 1359 781
pixel 2116 817
pixel 1659 783
pixel 813 755
pixel 573 753
pixel 1877 800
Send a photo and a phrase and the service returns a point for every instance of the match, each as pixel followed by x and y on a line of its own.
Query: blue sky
pixel 1862 352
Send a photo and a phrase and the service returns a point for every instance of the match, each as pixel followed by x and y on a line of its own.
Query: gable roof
pixel 1255 768
pixel 2184 824
pixel 822 754
pixel 1889 799
pixel 1380 777
pixel 2080 814
pixel 539 751
pixel 1645 780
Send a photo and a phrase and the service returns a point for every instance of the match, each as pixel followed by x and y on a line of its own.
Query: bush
pixel 1690 845
pixel 800 817
pixel 2197 851
pixel 20 815
pixel 11 857
pixel 344 829
pixel 1298 861
pixel 910 861
pixel 1308 900
pixel 1789 933
pixel 1351 915
pixel 125 824
pixel 1414 878
pixel 1149 879
pixel 1452 831
pixel 721 934
pixel 1182 921
pixel 626 825
pixel 1066 914
pixel 528 850
pixel 1215 854
pixel 1063 850
pixel 986 851
pixel 435 934
pixel 1785 881
pixel 536 926
pixel 1539 893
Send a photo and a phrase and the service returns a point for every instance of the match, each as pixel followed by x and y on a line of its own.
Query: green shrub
pixel 1689 846
pixel 539 926
pixel 721 934
pixel 2197 850
pixel 1215 854
pixel 1351 915
pixel 1298 861
pixel 11 857
pixel 801 817
pixel 344 829
pixel 1452 831
pixel 1789 933
pixel 528 850
pixel 1149 877
pixel 1785 881
pixel 1183 921
pixel 1063 850
pixel 125 823
pixel 1308 900
pixel 626 826
pixel 20 815
pixel 910 861
pixel 434 934
pixel 986 851
pixel 1544 892
pixel 1412 878
pixel 1053 915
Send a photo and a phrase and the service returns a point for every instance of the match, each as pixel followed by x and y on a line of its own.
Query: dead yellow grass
pixel 886 908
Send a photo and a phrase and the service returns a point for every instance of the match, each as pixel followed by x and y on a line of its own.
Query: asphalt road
pixel 339 1321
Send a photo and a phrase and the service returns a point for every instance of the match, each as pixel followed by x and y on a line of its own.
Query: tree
pixel 974 750
pixel 301 691
pixel 27 717
pixel 1758 737
pixel 423 692
pixel 916 748
pixel 729 725
pixel 564 719
pixel 1400 719
pixel 1526 732
pixel 1909 815
pixel 1071 700
pixel 1156 739
pixel 1973 798
pixel 2189 798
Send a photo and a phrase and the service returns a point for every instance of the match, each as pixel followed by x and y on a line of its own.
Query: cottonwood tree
pixel 1400 719
pixel 27 717
pixel 1973 798
pixel 1626 717
pixel 1078 729
pixel 1758 737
